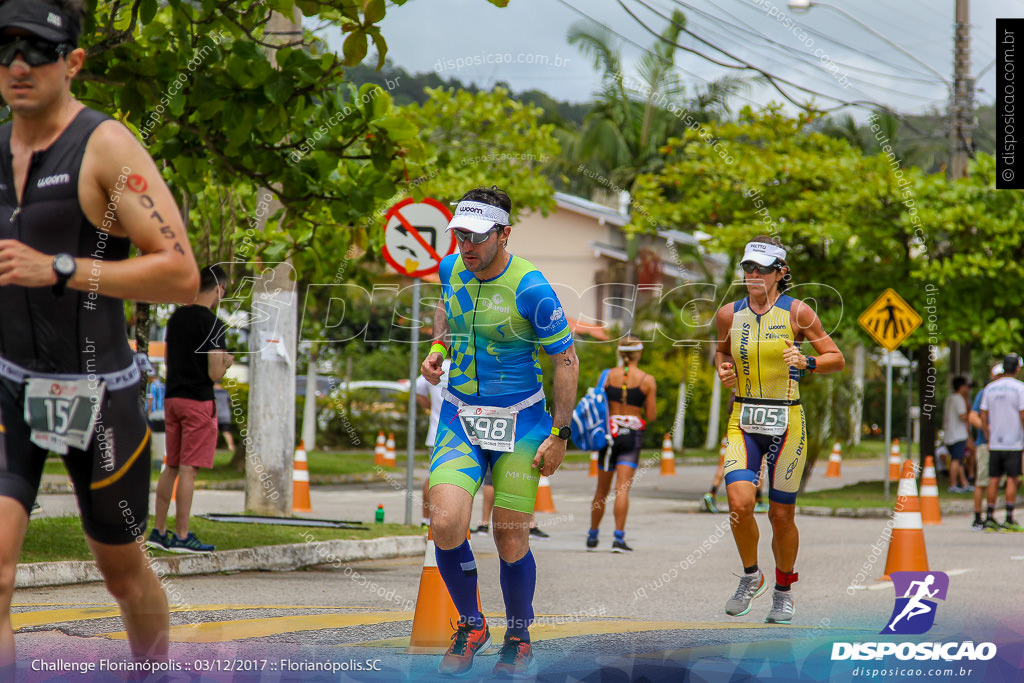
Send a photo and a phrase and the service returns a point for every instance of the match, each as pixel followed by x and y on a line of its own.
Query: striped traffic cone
pixel 435 612
pixel 593 464
pixel 894 461
pixel 906 544
pixel 835 461
pixel 389 451
pixel 668 457
pixel 300 481
pixel 931 512
pixel 379 450
pixel 544 503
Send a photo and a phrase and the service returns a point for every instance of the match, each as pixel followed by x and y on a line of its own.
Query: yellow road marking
pixel 107 610
pixel 56 616
pixel 222 631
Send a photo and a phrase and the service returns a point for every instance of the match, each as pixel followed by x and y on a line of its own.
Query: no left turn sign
pixel 415 240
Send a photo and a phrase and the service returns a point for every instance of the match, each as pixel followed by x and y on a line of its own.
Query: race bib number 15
pixel 62 413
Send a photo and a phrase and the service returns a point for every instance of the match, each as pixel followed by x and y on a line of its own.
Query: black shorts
pixel 1004 462
pixel 111 478
pixel 624 450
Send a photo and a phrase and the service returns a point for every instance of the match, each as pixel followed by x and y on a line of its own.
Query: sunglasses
pixel 750 267
pixel 35 51
pixel 474 237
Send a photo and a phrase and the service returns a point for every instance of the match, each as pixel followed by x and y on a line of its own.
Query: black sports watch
pixel 812 363
pixel 562 433
pixel 64 265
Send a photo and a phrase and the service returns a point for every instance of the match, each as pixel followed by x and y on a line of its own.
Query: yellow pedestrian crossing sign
pixel 890 320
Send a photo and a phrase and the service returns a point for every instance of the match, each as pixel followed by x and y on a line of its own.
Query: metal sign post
pixel 414 244
pixel 888 420
pixel 889 321
pixel 414 372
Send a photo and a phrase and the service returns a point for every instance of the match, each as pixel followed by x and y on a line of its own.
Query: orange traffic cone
pixel 668 456
pixel 389 451
pixel 894 461
pixel 379 450
pixel 906 545
pixel 300 481
pixel 545 503
pixel 435 612
pixel 593 464
pixel 835 461
pixel 931 513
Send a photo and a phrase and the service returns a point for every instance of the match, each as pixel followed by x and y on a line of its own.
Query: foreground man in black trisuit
pixel 77 190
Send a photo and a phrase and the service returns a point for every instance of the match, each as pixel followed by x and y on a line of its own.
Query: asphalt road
pixel 656 613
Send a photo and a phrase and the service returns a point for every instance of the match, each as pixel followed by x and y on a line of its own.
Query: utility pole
pixel 961 119
pixel 961 110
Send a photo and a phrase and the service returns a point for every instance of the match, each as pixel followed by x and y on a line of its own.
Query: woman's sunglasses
pixel 750 267
pixel 35 51
pixel 474 237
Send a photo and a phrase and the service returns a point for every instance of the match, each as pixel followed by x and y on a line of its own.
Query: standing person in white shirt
pixel 1002 419
pixel 428 397
pixel 956 435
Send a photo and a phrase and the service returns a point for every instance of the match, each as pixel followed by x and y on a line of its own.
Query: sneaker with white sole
pixel 751 586
pixel 157 540
pixel 782 608
pixel 189 544
pixel 709 503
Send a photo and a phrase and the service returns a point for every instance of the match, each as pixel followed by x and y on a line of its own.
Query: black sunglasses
pixel 35 51
pixel 750 267
pixel 474 237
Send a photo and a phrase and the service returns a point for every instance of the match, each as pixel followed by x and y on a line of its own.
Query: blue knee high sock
pixel 518 581
pixel 458 569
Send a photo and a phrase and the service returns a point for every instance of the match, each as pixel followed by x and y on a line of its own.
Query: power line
pixel 772 79
pixel 635 44
pixel 814 62
pixel 863 53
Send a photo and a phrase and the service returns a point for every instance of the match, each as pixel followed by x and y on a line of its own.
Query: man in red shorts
pixel 196 358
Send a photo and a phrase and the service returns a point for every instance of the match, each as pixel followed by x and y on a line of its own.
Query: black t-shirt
pixel 192 332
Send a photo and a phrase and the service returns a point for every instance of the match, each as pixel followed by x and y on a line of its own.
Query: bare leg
pixel 452 510
pixel 138 593
pixel 741 513
pixel 14 522
pixel 183 504
pixel 164 490
pixel 488 505
pixel 604 485
pixel 785 536
pixel 623 480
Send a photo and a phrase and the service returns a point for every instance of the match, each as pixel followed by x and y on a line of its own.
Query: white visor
pixel 477 217
pixel 763 254
pixel 638 346
pixel 997 369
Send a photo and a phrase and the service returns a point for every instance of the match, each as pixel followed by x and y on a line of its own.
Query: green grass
pixel 866 494
pixel 51 539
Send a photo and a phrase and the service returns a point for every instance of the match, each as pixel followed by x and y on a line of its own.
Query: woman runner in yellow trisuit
pixel 758 355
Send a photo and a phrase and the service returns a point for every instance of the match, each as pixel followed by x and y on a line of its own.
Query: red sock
pixel 783 580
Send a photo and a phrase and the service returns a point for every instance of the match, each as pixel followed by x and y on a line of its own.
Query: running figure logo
pixel 914 613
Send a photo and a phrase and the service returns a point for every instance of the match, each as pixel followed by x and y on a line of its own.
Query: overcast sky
pixel 430 35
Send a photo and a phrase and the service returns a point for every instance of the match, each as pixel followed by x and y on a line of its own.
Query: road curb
pixel 62 487
pixel 278 558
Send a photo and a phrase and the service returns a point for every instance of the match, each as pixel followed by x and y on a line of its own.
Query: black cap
pixel 41 18
pixel 1010 363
